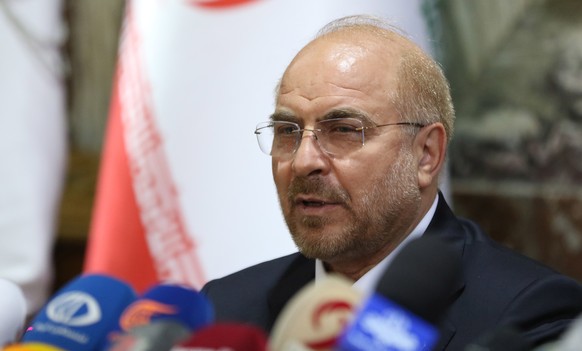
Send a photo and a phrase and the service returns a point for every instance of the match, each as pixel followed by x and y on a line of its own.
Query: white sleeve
pixel 13 313
pixel 32 142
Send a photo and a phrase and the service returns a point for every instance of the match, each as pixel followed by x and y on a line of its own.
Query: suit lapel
pixel 300 272
pixel 445 225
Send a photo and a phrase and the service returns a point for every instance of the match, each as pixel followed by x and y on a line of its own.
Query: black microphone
pixel 158 335
pixel 410 299
pixel 570 340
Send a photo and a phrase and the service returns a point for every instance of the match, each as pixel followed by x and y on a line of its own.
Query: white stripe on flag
pixel 172 248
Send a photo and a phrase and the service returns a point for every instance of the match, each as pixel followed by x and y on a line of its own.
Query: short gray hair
pixel 423 93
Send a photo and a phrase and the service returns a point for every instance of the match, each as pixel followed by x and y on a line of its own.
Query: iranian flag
pixel 184 193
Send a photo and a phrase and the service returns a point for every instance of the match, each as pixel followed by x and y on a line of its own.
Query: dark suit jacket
pixel 498 287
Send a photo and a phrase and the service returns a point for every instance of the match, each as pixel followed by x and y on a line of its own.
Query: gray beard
pixel 380 220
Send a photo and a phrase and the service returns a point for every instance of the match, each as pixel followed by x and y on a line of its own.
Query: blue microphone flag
pixel 81 314
pixel 174 302
pixel 382 325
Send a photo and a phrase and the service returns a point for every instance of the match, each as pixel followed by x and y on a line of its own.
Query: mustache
pixel 318 187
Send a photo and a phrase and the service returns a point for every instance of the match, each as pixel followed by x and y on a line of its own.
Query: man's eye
pixel 285 130
pixel 343 129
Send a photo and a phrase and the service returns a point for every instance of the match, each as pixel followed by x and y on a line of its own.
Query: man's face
pixel 345 206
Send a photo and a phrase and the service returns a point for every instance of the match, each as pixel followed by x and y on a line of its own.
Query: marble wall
pixel 516 158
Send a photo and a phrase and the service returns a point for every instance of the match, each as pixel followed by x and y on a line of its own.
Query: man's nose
pixel 310 157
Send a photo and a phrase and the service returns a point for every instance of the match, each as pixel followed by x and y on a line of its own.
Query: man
pixel 358 139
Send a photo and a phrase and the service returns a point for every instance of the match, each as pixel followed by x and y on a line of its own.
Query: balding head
pixel 421 93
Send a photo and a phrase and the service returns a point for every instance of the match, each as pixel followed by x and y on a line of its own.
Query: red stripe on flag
pixel 116 244
pixel 219 4
pixel 159 237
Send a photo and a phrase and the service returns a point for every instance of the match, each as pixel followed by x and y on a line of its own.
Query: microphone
pixel 163 316
pixel 225 336
pixel 315 316
pixel 31 347
pixel 13 307
pixel 571 339
pixel 80 315
pixel 504 338
pixel 410 299
pixel 155 336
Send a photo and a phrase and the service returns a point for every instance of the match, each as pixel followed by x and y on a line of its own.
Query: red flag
pixel 137 232
pixel 116 225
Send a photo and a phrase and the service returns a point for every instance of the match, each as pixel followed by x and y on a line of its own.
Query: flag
pixel 33 144
pixel 184 193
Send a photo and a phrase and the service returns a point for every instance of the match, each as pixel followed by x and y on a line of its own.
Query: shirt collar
pixel 368 281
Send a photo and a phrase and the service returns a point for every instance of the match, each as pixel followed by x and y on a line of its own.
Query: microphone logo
pixel 141 313
pixel 400 337
pixel 329 319
pixel 75 309
pixel 383 325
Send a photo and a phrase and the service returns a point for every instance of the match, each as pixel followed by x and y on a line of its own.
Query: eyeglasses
pixel 337 137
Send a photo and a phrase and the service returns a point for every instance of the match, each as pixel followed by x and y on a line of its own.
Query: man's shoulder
pixel 488 262
pixel 243 296
pixel 254 281
pixel 483 253
pixel 268 270
pixel 484 259
pixel 505 287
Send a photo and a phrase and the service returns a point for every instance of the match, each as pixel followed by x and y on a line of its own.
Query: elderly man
pixel 358 139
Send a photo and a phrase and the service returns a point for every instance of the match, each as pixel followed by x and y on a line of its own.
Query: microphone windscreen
pixel 420 277
pixel 410 298
pixel 570 340
pixel 13 307
pixel 225 336
pixel 315 316
pixel 173 302
pixel 31 347
pixel 81 314
pixel 159 335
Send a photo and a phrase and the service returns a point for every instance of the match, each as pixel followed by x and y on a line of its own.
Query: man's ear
pixel 430 147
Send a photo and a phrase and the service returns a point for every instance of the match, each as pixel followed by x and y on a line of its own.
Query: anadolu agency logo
pixel 217 4
pixel 75 309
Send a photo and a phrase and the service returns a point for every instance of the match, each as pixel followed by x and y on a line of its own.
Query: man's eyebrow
pixel 283 116
pixel 348 113
pixel 336 113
